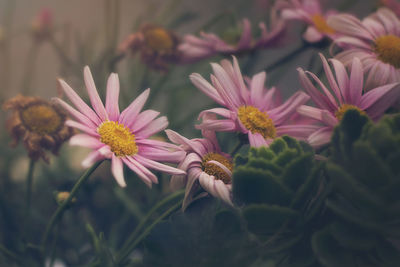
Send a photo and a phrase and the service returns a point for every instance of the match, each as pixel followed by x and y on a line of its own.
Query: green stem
pixel 60 210
pixel 288 57
pixel 236 148
pixel 145 220
pixel 30 67
pixel 146 232
pixel 29 181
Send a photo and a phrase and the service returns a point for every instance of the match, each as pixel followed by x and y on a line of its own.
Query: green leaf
pixel 258 186
pixel 353 237
pixel 278 146
pixel 267 219
pixel 297 171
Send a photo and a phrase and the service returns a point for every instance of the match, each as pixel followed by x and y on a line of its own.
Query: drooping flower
pixel 205 165
pixel 345 92
pixel 158 46
pixel 38 123
pixel 375 41
pixel 310 12
pixel 123 136
pixel 249 111
pixel 195 48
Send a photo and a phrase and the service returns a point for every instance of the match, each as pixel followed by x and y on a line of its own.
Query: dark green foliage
pixel 365 177
pixel 207 234
pixel 277 189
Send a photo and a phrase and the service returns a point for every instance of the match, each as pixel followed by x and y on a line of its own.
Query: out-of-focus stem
pixel 131 242
pixel 29 181
pixel 288 57
pixel 30 68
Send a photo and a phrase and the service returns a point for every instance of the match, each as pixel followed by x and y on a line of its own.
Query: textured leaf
pixel 267 219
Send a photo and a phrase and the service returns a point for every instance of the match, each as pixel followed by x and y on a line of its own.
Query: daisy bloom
pixel 375 41
pixel 122 137
pixel 195 48
pixel 205 165
pixel 38 123
pixel 345 92
pixel 158 46
pixel 310 12
pixel 249 111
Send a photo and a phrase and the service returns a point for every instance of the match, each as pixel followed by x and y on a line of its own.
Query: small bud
pixel 62 196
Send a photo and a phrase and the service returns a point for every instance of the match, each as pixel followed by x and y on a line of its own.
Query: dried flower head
pixel 38 123
pixel 157 46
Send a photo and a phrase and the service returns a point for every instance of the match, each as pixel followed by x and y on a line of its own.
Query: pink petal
pixel 142 120
pixel 112 106
pixel 187 144
pixel 162 155
pixel 206 88
pixel 128 116
pixel 217 125
pixel 76 114
pixel 378 100
pixel 219 111
pixel 82 127
pixel 257 89
pixel 356 82
pixel 153 127
pixel 118 170
pixel 215 187
pixel 312 35
pixel 85 141
pixel 192 177
pixel 225 86
pixel 92 158
pixel 147 177
pixel 78 102
pixel 157 166
pixel 97 104
pixel 256 140
pixel 320 137
pixel 283 112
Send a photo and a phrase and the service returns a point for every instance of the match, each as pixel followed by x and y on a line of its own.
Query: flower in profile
pixel 205 165
pixel 310 12
pixel 252 112
pixel 122 137
pixel 38 123
pixel 195 48
pixel 42 25
pixel 375 41
pixel 157 46
pixel 345 93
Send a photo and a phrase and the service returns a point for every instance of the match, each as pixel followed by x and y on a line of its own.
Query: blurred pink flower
pixel 393 5
pixel 347 94
pixel 309 11
pixel 194 48
pixel 252 112
pixel 42 25
pixel 204 164
pixel 122 137
pixel 375 41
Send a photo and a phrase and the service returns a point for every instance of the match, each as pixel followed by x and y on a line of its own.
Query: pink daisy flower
pixel 375 41
pixel 346 92
pixel 249 111
pixel 205 165
pixel 122 137
pixel 310 12
pixel 195 48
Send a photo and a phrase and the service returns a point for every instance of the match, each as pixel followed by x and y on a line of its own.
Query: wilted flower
pixel 42 25
pixel 252 112
pixel 38 123
pixel 347 94
pixel 157 46
pixel 195 48
pixel 310 12
pixel 122 137
pixel 375 41
pixel 204 164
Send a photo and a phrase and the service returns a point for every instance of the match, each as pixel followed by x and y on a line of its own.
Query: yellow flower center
pixel 159 39
pixel 345 107
pixel 118 137
pixel 214 170
pixel 42 119
pixel 256 121
pixel 321 25
pixel 388 49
